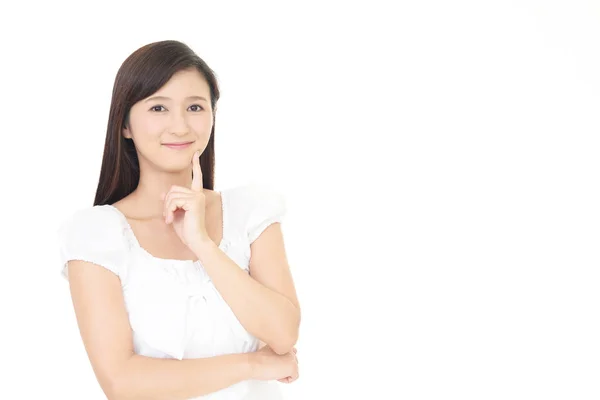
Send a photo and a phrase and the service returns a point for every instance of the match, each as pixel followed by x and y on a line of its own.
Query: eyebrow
pixel 168 98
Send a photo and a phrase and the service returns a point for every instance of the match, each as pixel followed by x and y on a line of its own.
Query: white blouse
pixel 174 309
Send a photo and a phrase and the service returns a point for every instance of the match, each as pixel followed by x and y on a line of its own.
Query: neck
pixel 147 195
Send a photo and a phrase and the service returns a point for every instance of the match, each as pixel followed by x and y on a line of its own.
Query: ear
pixel 126 133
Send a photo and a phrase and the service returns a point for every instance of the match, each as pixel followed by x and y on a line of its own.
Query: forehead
pixel 185 83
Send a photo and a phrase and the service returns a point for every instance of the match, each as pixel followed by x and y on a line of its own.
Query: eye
pixel 196 107
pixel 156 108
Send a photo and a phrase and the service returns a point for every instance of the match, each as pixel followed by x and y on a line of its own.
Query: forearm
pixel 263 312
pixel 154 378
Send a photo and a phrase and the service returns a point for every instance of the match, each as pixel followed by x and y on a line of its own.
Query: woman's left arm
pixel 264 301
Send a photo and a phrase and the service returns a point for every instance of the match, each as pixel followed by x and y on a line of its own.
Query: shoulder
pixel 92 226
pixel 94 234
pixel 95 218
pixel 254 207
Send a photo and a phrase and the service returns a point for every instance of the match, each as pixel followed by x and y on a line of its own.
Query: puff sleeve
pixel 95 235
pixel 268 206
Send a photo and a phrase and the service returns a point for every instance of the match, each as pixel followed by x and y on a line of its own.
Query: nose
pixel 179 125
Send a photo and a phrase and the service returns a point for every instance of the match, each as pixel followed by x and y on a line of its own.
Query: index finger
pixel 197 172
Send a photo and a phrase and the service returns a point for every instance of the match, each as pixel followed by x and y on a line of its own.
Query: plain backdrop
pixel 440 162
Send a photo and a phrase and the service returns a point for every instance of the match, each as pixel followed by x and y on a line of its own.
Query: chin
pixel 174 163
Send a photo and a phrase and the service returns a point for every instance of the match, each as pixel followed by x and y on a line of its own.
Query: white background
pixel 440 162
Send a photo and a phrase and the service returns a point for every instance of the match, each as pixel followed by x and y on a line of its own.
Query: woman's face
pixel 178 112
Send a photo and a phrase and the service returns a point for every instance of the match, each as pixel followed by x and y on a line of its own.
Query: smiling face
pixel 179 112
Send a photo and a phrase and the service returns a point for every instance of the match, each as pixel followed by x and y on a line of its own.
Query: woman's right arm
pixel 104 327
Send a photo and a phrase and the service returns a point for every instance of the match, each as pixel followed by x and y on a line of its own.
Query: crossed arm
pixel 264 301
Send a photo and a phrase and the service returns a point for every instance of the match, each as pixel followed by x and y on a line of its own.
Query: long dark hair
pixel 143 73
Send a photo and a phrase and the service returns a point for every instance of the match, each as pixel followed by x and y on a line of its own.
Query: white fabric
pixel 174 309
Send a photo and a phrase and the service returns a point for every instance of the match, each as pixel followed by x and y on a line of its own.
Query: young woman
pixel 179 291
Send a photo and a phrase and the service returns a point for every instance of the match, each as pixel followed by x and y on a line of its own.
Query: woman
pixel 175 286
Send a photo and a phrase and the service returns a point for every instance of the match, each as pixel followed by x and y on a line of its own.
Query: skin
pixel 174 217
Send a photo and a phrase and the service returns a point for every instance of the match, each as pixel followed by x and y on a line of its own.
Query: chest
pixel 175 311
pixel 160 239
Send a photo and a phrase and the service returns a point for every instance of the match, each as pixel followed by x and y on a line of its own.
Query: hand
pixel 185 208
pixel 268 365
pixel 291 379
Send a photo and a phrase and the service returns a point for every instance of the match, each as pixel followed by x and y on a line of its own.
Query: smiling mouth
pixel 177 145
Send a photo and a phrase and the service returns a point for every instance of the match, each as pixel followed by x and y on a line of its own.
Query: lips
pixel 181 145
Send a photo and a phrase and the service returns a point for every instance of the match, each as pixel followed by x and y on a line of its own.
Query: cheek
pixel 149 128
pixel 203 124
